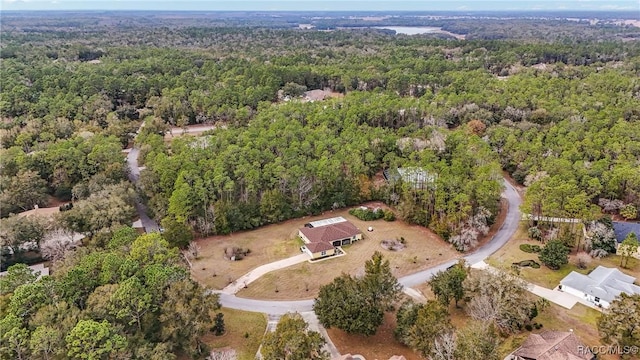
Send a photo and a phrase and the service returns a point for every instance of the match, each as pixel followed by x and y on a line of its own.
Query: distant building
pixel 622 229
pixel 601 286
pixel 419 178
pixel 552 345
pixel 322 237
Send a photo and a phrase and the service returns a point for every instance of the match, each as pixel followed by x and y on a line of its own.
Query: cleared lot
pixel 274 242
pixel 423 249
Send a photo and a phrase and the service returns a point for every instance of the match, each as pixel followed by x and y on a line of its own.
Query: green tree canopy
pixel 554 254
pixel 292 340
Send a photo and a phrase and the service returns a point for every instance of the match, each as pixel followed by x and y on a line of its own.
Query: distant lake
pixel 409 30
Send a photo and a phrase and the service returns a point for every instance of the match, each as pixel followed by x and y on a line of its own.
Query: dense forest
pixel 59 91
pixel 133 298
pixel 553 108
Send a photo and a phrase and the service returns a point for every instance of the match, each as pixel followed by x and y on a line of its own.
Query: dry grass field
pixel 382 345
pixel 279 241
pixel 424 249
pixel 267 244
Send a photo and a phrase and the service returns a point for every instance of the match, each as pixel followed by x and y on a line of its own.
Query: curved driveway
pixel 501 237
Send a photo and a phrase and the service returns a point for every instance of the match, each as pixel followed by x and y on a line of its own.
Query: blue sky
pixel 325 5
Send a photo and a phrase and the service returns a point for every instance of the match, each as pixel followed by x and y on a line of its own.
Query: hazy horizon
pixel 327 5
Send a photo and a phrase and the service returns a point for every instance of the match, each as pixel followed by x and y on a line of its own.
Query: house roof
pixel 605 283
pixel 622 229
pixel 316 247
pixel 553 345
pixel 330 233
pixel 416 176
pixel 329 221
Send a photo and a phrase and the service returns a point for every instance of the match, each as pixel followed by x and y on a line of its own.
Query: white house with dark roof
pixel 601 286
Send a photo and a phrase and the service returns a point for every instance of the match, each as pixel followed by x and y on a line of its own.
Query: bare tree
pixel 444 347
pixel 483 308
pixel 499 298
pixel 193 251
pixel 583 260
pixel 223 354
pixel 58 242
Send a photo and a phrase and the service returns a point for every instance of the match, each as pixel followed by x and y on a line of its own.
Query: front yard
pixel 244 333
pixel 544 276
pixel 423 249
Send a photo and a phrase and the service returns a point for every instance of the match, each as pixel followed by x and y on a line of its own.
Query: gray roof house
pixel 622 229
pixel 601 286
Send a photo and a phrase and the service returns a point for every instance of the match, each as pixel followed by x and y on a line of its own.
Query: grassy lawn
pixel 544 276
pixel 267 244
pixel 237 324
pixel 303 281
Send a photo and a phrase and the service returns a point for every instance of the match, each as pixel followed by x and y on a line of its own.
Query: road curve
pixel 501 237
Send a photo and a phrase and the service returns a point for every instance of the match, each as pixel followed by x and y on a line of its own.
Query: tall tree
pixel 186 315
pixel 90 339
pixel 292 340
pixel 448 284
pixel 22 192
pixel 15 338
pixel 420 325
pixel 345 305
pixel 554 254
pixel 476 341
pixel 628 248
pixel 499 298
pixel 620 324
pixel 131 301
pixel 177 234
pixel 17 275
pixel 363 300
pixel 382 285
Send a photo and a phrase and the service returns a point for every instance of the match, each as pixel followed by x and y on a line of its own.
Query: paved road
pixel 501 237
pixel 134 174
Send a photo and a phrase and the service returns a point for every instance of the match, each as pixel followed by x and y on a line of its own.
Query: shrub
pixel 235 253
pixel 528 327
pixel 526 248
pixel 529 263
pixel 535 233
pixel 629 212
pixel 583 260
pixel 366 214
pixel 554 254
pixel 218 327
pixel 598 253
pixel 389 215
pixel 66 207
